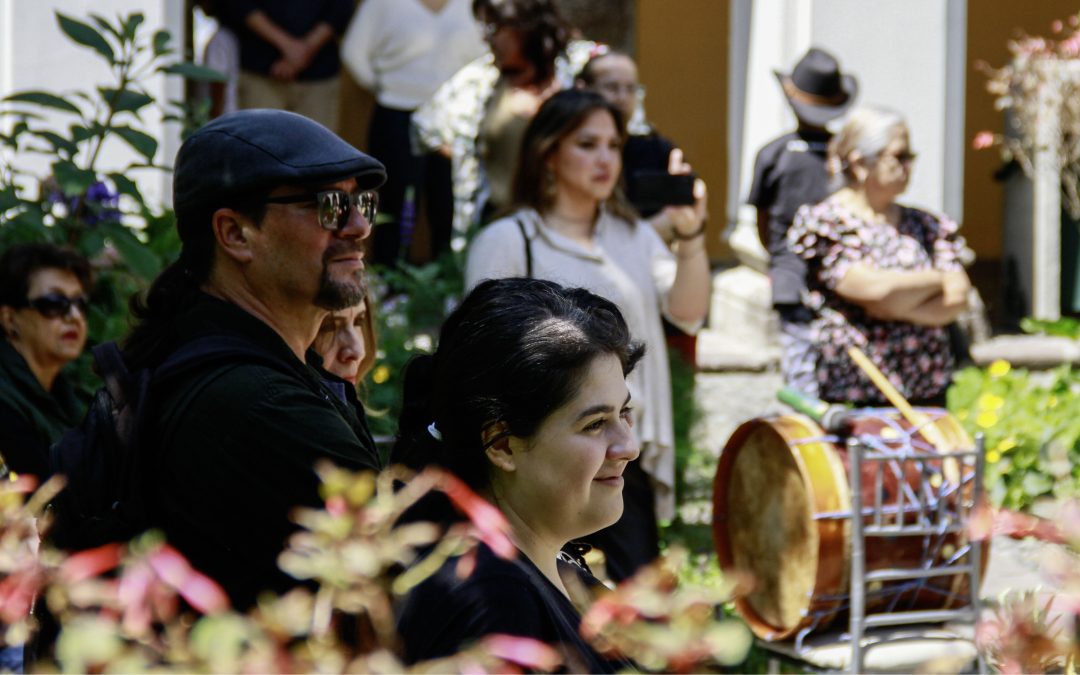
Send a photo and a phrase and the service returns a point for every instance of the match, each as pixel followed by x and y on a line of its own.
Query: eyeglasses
pixel 56 305
pixel 905 158
pixel 334 205
pixel 612 88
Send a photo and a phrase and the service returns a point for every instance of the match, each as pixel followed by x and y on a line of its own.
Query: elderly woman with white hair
pixel 886 278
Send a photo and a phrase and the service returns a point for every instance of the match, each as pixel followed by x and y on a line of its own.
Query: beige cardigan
pixel 629 265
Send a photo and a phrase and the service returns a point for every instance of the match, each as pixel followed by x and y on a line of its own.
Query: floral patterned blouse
pixel 917 359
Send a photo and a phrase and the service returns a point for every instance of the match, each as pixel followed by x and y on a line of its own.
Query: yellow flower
pixel 1052 402
pixel 381 374
pixel 990 402
pixel 1006 445
pixel 1000 368
pixel 987 419
pixel 993 457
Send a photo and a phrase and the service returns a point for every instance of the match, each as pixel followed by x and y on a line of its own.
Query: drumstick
pixel 917 419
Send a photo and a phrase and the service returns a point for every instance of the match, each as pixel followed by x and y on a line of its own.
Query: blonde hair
pixel 867 131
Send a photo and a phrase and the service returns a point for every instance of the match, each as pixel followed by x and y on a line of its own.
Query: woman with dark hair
pixel 43 307
pixel 478 116
pixel 526 401
pixel 573 227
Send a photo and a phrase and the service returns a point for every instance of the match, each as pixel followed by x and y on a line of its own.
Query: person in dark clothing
pixel 271 209
pixel 289 54
pixel 789 172
pixel 526 401
pixel 43 325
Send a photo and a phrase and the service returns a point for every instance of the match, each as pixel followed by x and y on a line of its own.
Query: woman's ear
pixel 859 168
pixel 7 320
pixel 497 446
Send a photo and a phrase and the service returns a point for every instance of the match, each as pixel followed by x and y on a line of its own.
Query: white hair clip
pixel 434 431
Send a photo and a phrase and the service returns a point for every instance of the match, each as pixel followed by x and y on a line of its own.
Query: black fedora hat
pixel 816 89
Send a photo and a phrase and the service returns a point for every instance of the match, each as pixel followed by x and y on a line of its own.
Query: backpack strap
pixel 528 247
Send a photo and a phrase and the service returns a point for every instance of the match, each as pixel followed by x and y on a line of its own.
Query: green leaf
pixel 193 71
pixel 86 35
pixel 79 133
pixel 145 144
pixel 132 24
pixel 126 186
pixel 161 42
pixel 45 99
pixel 137 255
pixel 72 179
pixel 125 100
pixel 58 142
pixel 9 199
pixel 104 25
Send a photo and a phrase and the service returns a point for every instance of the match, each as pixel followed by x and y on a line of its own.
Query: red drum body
pixel 782 512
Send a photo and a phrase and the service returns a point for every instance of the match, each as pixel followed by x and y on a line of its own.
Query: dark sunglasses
pixel 334 205
pixel 56 305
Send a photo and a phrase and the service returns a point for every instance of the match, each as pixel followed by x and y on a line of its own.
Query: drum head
pixel 770 527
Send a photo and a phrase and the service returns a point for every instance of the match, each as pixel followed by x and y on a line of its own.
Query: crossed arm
pixel 923 297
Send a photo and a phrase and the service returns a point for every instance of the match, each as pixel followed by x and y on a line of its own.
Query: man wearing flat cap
pixel 272 209
pixel 789 172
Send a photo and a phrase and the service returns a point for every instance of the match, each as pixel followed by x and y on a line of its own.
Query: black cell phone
pixel 653 190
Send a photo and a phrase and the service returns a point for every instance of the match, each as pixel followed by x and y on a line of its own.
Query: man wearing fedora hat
pixel 789 172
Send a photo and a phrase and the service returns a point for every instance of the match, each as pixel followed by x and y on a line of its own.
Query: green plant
pixel 1032 428
pixel 99 212
pixel 418 298
pixel 1063 327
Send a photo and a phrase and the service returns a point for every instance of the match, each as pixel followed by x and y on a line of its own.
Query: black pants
pixel 634 540
pixel 429 175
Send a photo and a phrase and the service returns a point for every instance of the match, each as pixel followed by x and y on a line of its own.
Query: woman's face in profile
pixel 47 332
pixel 891 171
pixel 567 478
pixel 341 342
pixel 587 161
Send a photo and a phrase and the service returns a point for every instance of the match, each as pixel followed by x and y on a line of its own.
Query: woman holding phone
pixel 573 227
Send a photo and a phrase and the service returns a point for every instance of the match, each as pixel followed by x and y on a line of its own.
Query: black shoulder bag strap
pixel 528 247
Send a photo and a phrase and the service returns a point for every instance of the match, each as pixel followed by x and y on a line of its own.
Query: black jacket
pixel 238 446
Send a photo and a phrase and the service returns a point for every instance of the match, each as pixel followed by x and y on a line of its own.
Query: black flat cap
pixel 248 151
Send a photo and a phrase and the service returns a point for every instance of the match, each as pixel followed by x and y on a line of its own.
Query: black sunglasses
pixel 56 305
pixel 334 206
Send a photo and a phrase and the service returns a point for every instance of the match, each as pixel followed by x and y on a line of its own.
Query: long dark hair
pixel 544 31
pixel 176 289
pixel 556 119
pixel 514 351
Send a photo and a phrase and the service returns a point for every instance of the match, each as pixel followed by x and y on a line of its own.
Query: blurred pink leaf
pixel 17 594
pixel 526 652
pixel 199 590
pixel 491 525
pixel 91 563
pixel 987 522
pixel 983 140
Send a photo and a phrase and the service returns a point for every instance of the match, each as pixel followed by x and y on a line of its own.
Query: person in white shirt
pixel 402 51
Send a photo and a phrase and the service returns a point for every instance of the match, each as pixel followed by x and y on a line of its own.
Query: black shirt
pixel 445 614
pixel 239 441
pixel 297 18
pixel 31 419
pixel 788 172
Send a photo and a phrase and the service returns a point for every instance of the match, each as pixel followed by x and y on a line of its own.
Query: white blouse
pixel 631 266
pixel 402 51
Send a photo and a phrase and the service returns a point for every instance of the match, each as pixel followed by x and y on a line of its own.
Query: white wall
pixel 35 54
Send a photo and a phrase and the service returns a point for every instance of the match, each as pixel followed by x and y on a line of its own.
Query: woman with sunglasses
pixel 886 278
pixel 43 323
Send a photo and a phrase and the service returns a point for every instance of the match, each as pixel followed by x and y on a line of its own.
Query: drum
pixel 782 512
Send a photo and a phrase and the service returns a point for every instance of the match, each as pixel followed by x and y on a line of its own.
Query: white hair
pixel 867 132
